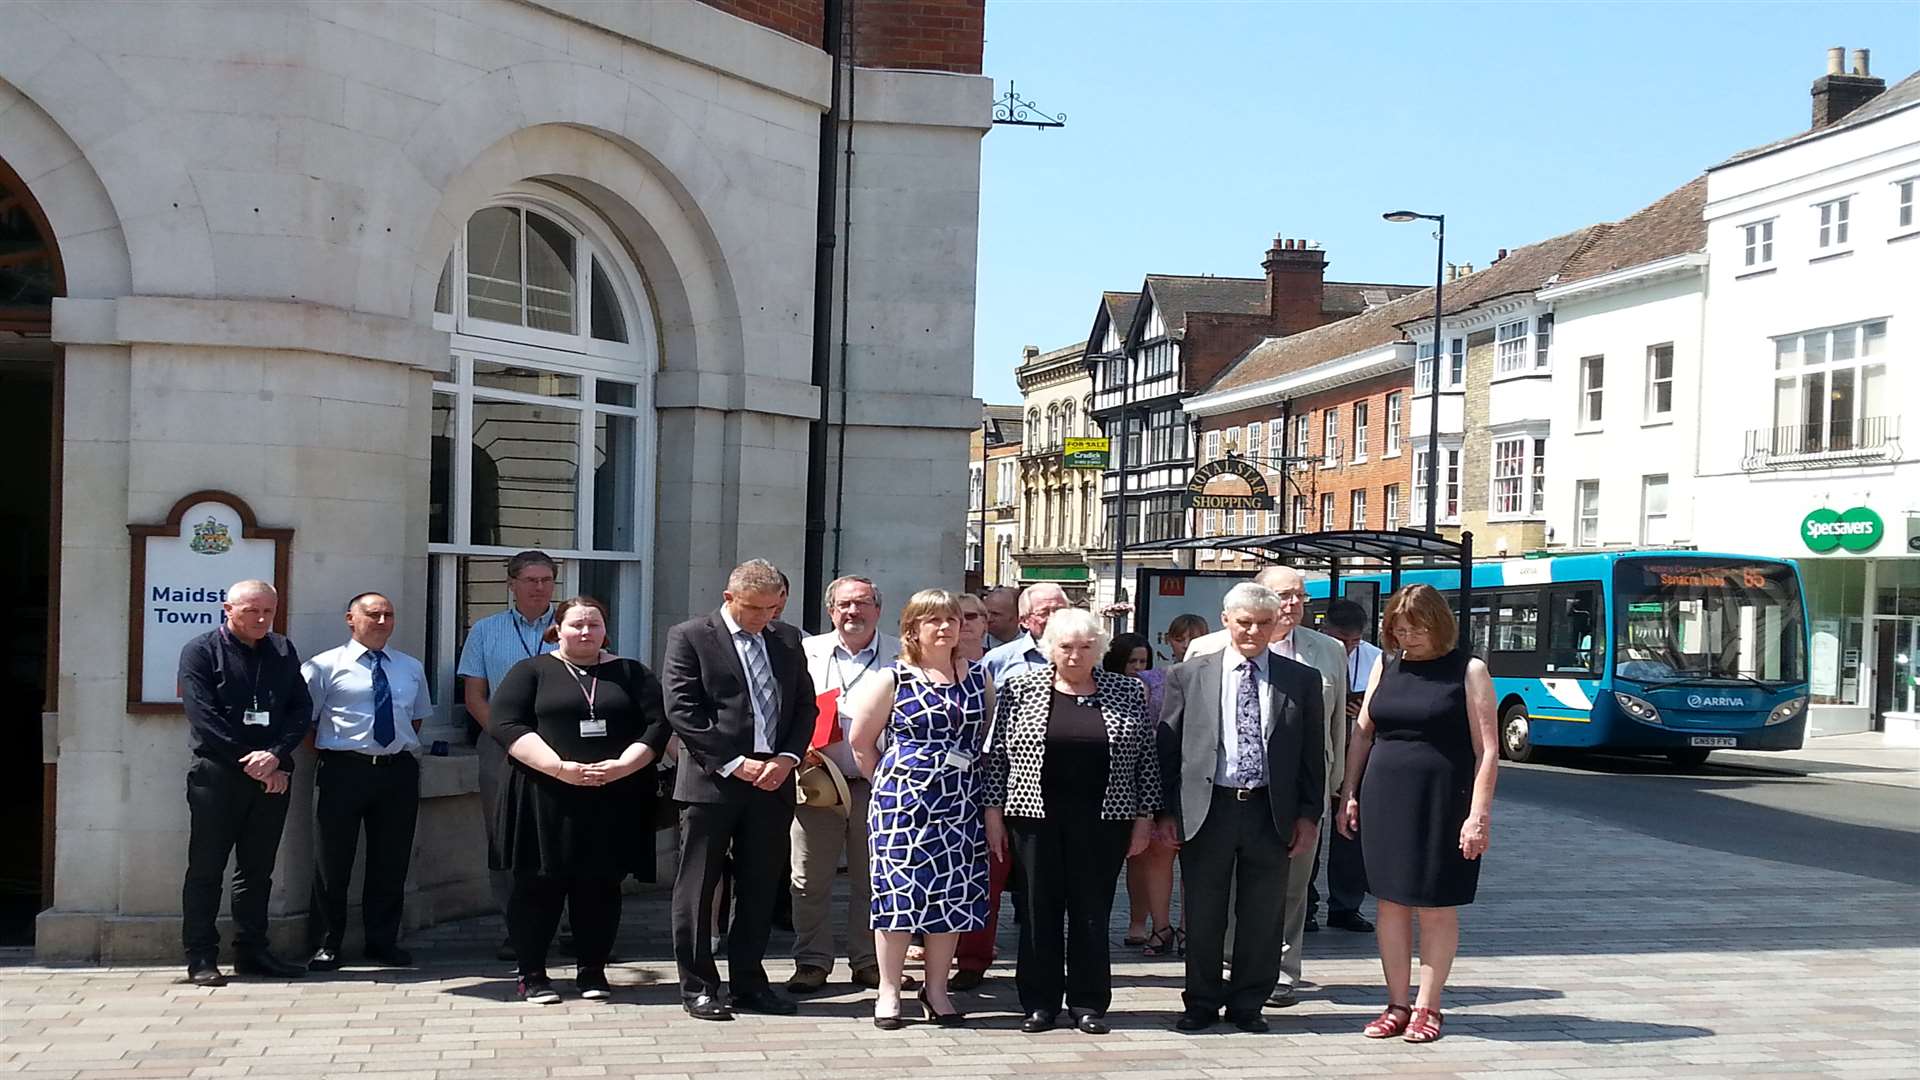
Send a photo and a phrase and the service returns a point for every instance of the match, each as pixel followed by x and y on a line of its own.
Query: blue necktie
pixel 766 697
pixel 1251 769
pixel 382 700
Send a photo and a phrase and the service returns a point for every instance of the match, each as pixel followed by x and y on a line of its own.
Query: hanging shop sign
pixel 181 570
pixel 1086 453
pixel 1257 497
pixel 1857 529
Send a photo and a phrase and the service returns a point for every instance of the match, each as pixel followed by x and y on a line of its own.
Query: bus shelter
pixel 1350 551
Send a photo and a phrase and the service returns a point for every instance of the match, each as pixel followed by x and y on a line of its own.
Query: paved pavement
pixel 1597 951
pixel 1868 758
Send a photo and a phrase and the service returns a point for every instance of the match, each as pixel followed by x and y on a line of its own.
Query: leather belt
pixel 1242 794
pixel 358 758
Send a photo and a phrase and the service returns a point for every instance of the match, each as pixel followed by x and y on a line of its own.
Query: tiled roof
pixel 1522 271
pixel 1900 95
pixel 1120 306
pixel 1354 297
pixel 1177 295
pixel 1673 226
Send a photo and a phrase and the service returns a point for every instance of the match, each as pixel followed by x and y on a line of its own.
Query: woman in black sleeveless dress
pixel 1420 776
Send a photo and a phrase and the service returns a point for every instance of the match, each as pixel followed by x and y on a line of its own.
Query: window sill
pixel 1897 237
pixel 1590 431
pixel 1391 454
pixel 1830 256
pixel 1522 375
pixel 1358 461
pixel 1665 421
pixel 1762 271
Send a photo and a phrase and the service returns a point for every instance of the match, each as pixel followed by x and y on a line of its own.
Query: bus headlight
pixel 1637 708
pixel 1786 711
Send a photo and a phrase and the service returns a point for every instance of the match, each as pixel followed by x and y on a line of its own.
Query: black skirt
pixel 1412 804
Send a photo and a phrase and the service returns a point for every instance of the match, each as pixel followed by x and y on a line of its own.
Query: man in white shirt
pixel 837 661
pixel 1346 872
pixel 368 702
pixel 1325 655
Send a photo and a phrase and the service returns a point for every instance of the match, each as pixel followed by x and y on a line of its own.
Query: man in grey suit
pixel 1327 656
pixel 1244 772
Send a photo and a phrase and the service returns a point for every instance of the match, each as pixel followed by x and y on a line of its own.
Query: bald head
pixel 1290 586
pixel 250 607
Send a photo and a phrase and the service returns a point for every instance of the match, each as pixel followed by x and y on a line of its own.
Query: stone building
pixel 993 499
pixel 1059 505
pixel 428 282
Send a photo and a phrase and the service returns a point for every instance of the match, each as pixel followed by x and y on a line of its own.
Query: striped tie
pixel 766 699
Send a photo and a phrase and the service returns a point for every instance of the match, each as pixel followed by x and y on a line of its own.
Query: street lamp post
pixel 1433 384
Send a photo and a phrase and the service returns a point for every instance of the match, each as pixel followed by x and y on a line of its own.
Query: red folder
pixel 826 725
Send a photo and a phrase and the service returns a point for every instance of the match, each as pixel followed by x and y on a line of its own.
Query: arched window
pixel 1086 417
pixel 1066 420
pixel 1053 425
pixel 1033 434
pixel 543 427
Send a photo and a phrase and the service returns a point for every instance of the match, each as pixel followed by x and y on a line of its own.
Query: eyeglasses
pixel 852 605
pixel 528 579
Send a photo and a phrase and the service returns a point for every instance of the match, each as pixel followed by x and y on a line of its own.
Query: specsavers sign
pixel 181 570
pixel 1858 529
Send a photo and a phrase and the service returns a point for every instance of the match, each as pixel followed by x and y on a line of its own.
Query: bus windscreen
pixel 1680 619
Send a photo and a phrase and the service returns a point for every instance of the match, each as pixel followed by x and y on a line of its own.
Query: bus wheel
pixel 1690 758
pixel 1516 738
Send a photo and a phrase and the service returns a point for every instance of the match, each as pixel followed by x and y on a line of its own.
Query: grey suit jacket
pixel 1329 658
pixel 1190 742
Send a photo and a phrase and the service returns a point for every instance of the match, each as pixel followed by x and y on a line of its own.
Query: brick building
pixel 1149 351
pixel 994 493
pixel 427 283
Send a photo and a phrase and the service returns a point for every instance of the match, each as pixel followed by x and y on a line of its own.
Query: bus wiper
pixel 1710 680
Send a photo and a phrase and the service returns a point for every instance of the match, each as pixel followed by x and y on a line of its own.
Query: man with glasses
pixel 494 645
pixel 832 816
pixel 1327 656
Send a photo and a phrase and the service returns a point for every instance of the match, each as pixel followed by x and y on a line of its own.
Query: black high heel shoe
pixel 948 1020
pixel 889 1023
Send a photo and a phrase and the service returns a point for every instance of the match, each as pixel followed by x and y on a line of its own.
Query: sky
pixel 1197 131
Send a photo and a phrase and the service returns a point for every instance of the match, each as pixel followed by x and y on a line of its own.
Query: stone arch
pixel 87 235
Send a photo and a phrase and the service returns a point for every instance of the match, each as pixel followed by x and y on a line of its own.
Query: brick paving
pixel 1594 953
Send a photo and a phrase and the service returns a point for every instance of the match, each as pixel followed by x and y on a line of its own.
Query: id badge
pixel 593 727
pixel 959 761
pixel 256 718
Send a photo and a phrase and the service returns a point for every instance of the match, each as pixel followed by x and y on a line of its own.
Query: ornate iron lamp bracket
pixel 1015 111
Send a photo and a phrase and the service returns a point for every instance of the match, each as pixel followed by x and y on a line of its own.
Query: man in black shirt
pixel 247 708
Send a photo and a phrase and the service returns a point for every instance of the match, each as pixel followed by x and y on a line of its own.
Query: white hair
pixel 1247 596
pixel 1072 623
pixel 1031 595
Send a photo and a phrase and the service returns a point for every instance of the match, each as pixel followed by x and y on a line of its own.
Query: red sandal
pixel 1389 1023
pixel 1423 1026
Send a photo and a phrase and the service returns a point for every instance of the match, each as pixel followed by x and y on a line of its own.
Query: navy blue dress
pixel 1418 785
pixel 926 833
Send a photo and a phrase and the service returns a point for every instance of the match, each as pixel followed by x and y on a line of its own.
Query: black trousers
pixel 533 914
pixel 378 795
pixel 1346 871
pixel 1238 848
pixel 228 814
pixel 1072 860
pixel 754 827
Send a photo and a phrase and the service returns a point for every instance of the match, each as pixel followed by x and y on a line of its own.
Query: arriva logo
pixel 1715 701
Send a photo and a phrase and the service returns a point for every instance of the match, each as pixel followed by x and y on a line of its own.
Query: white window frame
pixel 1593 377
pixel 1757 244
pixel 1390 497
pixel 1835 225
pixel 1456 363
pixel 1510 346
pixel 1903 200
pixel 1209 523
pixel 1301 510
pixel 1357 508
pixel 976 485
pixel 1423 367
pixel 1361 410
pixel 1650 409
pixel 1508 498
pixel 1303 436
pixel 1543 340
pixel 1213 445
pixel 1860 365
pixel 1586 513
pixel 1276 440
pixel 1648 516
pixel 1330 437
pixel 1327 510
pixel 580 356
pixel 1448 510
pixel 1396 415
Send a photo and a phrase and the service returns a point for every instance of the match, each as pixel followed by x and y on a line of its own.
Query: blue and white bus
pixel 1673 652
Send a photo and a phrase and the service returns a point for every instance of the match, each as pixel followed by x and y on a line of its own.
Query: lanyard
pixel 588 688
pixel 514 618
pixel 251 660
pixel 839 673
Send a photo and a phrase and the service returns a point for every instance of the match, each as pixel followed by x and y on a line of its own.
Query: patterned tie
pixel 766 700
pixel 1251 769
pixel 382 700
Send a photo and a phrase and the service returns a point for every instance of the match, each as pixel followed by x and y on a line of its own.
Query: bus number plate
pixel 1726 741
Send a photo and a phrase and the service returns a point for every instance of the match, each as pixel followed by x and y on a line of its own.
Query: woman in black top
pixel 1072 786
pixel 1419 790
pixel 584 729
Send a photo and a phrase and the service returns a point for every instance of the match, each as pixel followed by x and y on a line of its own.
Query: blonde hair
pixel 921 606
pixel 1424 607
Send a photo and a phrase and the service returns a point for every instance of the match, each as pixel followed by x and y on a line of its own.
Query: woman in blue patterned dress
pixel 926 838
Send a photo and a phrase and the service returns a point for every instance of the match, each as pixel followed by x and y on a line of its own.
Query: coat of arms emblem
pixel 211 537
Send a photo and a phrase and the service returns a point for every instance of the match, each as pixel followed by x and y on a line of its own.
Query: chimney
pixel 1502 255
pixel 1028 352
pixel 1296 285
pixel 1838 93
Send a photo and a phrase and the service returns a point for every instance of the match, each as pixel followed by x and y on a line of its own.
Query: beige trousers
pixel 820 836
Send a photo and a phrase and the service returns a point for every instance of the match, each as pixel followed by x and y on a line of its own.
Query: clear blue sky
pixel 1197 131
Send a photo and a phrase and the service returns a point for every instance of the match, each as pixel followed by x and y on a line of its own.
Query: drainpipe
pixel 826 240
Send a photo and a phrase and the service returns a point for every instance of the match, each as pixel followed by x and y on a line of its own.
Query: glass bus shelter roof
pixel 1352 549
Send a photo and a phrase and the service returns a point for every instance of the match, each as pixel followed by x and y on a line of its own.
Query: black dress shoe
pixel 324 959
pixel 388 956
pixel 1350 920
pixel 1195 1021
pixel 1037 1021
pixel 263 963
pixel 706 1007
pixel 763 1000
pixel 1252 1023
pixel 205 973
pixel 889 1023
pixel 1283 997
pixel 1091 1023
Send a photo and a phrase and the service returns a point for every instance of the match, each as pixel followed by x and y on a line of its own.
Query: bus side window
pixel 1572 629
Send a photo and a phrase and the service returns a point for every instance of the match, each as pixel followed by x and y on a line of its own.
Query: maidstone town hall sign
pixel 1236 468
